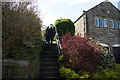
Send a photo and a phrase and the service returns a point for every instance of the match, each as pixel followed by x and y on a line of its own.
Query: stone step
pixel 49 59
pixel 50 48
pixel 49 74
pixel 50 45
pixel 49 64
pixel 49 56
pixel 50 69
pixel 52 51
pixel 51 78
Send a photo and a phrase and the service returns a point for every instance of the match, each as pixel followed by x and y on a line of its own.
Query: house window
pixel 96 22
pixel 105 23
pixel 111 24
pixel 119 24
pixel 115 24
pixel 101 22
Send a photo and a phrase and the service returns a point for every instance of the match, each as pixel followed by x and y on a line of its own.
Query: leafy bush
pixel 21 34
pixel 68 73
pixel 79 53
pixel 101 73
pixel 107 73
pixel 60 60
pixel 63 26
pixel 87 58
pixel 84 74
pixel 107 60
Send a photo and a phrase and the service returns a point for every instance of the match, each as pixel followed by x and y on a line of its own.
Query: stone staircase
pixel 49 62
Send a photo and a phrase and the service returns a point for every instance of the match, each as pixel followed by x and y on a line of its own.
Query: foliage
pixel 84 74
pixel 107 60
pixel 63 26
pixel 87 58
pixel 21 31
pixel 107 73
pixel 101 73
pixel 79 53
pixel 68 73
pixel 60 60
pixel 71 74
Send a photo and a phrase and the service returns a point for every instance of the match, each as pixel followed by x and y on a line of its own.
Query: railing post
pixel 58 42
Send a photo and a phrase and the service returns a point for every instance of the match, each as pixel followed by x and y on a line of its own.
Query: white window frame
pixel 115 24
pixel 101 23
pixel 105 22
pixel 118 24
pixel 111 23
pixel 96 22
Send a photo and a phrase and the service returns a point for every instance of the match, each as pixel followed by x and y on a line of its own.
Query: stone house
pixel 102 23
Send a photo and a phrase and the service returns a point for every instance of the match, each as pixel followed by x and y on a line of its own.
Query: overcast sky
pixel 72 9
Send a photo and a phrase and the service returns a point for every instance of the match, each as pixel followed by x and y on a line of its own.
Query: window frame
pixel 115 24
pixel 101 22
pixel 105 23
pixel 118 24
pixel 96 22
pixel 112 24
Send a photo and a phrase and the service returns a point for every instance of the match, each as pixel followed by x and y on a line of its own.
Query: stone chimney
pixel 106 1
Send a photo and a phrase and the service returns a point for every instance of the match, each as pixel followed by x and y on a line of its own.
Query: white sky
pixel 72 9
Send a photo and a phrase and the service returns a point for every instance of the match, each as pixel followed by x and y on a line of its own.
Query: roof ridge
pixel 94 7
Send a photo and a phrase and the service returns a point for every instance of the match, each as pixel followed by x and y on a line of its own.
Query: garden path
pixel 49 62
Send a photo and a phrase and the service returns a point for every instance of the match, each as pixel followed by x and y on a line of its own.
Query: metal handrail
pixel 58 42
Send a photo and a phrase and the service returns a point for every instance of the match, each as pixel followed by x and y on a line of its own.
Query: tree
pixel 21 34
pixel 64 25
pixel 79 53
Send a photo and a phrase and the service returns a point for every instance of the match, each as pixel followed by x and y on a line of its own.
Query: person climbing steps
pixel 50 34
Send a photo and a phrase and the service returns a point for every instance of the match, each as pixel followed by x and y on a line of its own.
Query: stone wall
pixel 80 25
pixel 105 35
pixel 14 68
pixel 20 69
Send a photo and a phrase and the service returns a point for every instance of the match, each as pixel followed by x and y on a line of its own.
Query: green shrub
pixel 84 74
pixel 117 69
pixel 107 73
pixel 21 34
pixel 63 26
pixel 60 59
pixel 107 60
pixel 68 73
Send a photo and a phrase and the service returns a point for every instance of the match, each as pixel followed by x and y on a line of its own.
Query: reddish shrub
pixel 79 53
